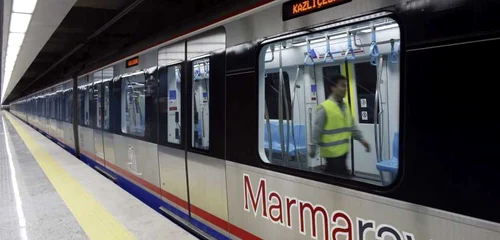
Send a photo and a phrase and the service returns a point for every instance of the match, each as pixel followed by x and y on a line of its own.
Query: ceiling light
pixel 7 75
pixel 13 50
pixel 11 62
pixel 9 67
pixel 19 22
pixel 10 58
pixel 16 39
pixel 24 6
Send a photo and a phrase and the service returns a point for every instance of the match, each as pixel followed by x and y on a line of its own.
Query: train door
pixel 206 167
pixel 51 126
pixel 373 95
pixel 98 103
pixel 107 136
pixel 135 150
pixel 191 131
pixel 85 132
pixel 59 127
pixel 69 134
pixel 171 129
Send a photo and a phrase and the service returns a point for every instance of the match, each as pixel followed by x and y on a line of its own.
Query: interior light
pixel 381 28
pixel 24 6
pixel 199 57
pixel 323 39
pixel 16 39
pixel 13 50
pixel 19 22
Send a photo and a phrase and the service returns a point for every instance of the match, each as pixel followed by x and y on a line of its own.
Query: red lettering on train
pixel 289 203
pixel 261 194
pixel 314 210
pixel 345 230
pixel 278 206
pixel 339 224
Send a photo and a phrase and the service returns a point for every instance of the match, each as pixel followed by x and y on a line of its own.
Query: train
pixel 213 128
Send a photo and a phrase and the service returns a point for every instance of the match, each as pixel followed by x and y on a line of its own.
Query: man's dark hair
pixel 333 80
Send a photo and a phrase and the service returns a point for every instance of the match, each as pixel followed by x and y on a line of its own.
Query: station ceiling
pixel 97 31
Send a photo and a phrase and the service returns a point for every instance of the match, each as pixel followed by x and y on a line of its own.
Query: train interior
pixel 201 78
pixel 294 76
pixel 174 103
pixel 133 100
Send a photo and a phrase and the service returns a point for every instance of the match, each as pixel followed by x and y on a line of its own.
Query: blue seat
pixel 300 138
pixel 391 165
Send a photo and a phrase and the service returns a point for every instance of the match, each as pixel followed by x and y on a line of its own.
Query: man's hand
pixel 366 145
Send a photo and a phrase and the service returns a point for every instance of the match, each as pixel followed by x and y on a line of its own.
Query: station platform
pixel 46 193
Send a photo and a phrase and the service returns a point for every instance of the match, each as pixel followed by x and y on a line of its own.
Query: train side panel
pixel 271 205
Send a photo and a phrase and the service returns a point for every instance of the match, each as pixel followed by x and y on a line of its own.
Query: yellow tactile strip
pixel 94 219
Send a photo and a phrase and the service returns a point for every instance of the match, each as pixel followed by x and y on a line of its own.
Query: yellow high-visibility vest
pixel 336 134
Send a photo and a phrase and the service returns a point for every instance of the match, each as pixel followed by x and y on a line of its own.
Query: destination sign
pixel 132 62
pixel 297 8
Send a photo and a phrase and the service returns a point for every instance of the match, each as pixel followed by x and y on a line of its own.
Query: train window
pixel 107 75
pixel 133 104
pixel 45 105
pixel 272 82
pixel 97 96
pixel 51 106
pixel 64 105
pixel 87 102
pixel 106 104
pixel 69 105
pixel 46 100
pixel 81 105
pixel 200 128
pixel 330 102
pixel 174 104
pixel 61 102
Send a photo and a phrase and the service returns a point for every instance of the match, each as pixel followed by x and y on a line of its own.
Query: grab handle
pixel 310 54
pixel 374 48
pixel 349 48
pixel 328 53
pixel 393 57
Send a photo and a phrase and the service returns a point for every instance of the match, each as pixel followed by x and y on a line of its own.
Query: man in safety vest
pixel 333 128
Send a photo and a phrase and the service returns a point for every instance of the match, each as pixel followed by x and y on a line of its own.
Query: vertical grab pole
pixel 292 113
pixel 287 114
pixel 269 137
pixel 280 105
pixel 380 114
pixel 377 114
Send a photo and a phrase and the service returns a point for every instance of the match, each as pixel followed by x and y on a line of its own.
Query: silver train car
pixel 213 128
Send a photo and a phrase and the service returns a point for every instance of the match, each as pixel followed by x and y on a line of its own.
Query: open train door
pixel 373 95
